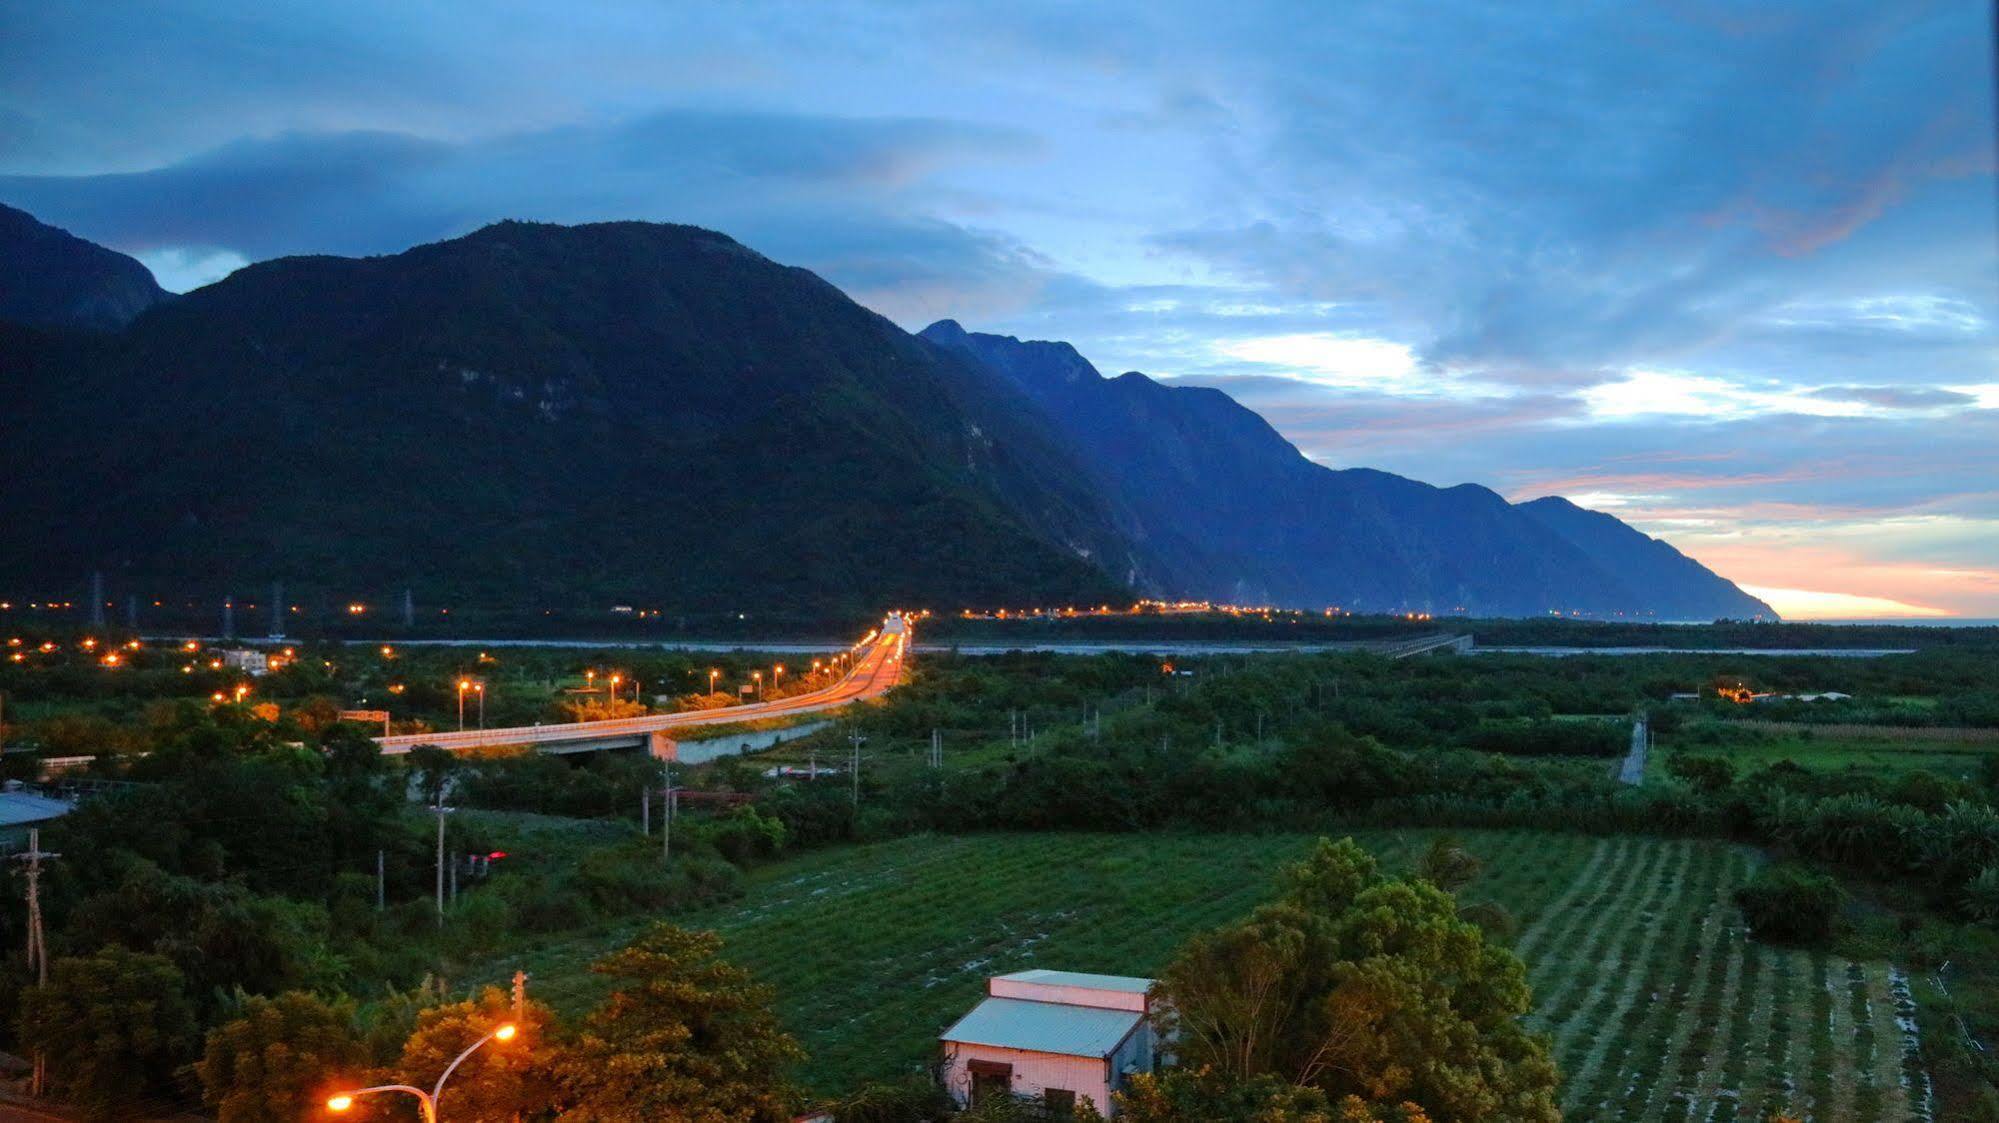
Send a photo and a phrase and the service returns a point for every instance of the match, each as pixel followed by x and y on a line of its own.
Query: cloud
pixel 818 188
pixel 1727 269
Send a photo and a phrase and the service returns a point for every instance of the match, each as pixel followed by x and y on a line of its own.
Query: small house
pixel 1060 1037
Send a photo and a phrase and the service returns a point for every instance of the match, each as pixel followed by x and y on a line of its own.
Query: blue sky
pixel 1728 271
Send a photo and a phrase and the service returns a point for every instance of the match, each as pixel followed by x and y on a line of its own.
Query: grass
pixel 1875 756
pixel 1657 1005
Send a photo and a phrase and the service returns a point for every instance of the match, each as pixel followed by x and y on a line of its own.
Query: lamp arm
pixel 424 1098
pixel 437 1093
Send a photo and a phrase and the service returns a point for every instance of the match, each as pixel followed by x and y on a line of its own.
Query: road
pixel 1633 771
pixel 877 669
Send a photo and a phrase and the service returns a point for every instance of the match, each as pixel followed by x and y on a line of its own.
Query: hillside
pixel 53 279
pixel 1228 509
pixel 541 416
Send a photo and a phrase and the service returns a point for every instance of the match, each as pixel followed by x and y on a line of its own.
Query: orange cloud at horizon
pixel 1817 583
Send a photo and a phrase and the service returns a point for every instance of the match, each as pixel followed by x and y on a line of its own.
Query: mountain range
pixel 539 415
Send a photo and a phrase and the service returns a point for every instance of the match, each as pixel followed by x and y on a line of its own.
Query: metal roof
pixel 1126 983
pixel 19 809
pixel 1044 1027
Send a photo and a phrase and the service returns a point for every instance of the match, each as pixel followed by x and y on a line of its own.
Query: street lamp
pixel 463 686
pixel 615 680
pixel 759 676
pixel 778 682
pixel 480 687
pixel 713 674
pixel 427 1100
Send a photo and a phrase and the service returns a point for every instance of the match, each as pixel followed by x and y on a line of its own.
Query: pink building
pixel 1058 1036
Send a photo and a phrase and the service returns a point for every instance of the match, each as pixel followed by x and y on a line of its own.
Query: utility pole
pixel 856 740
pixel 409 610
pixel 645 810
pixel 667 802
pixel 381 881
pixel 277 610
pixel 97 599
pixel 132 612
pixel 520 995
pixel 457 859
pixel 228 617
pixel 936 749
pixel 38 948
pixel 442 811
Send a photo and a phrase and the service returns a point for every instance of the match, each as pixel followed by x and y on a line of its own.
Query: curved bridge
pixel 877 669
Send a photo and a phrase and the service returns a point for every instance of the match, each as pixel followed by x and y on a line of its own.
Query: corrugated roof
pixel 19 808
pixel 1125 983
pixel 1045 1027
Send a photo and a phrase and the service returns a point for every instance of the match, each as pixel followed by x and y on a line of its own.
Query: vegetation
pixel 233 865
pixel 1368 988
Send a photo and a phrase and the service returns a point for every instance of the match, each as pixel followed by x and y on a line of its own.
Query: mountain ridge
pixel 56 280
pixel 613 412
pixel 1270 525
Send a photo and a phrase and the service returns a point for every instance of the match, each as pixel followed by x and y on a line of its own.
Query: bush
pixel 1791 904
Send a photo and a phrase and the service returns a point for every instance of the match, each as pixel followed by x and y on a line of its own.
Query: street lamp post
pixel 713 674
pixel 759 676
pixel 426 1100
pixel 615 680
pixel 463 686
pixel 480 687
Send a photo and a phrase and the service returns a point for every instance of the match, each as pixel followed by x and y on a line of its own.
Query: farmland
pixel 1880 751
pixel 1658 1006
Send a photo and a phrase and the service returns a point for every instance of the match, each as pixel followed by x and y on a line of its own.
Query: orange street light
pixel 713 674
pixel 343 1101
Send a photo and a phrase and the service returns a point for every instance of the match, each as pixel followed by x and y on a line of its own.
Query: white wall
pixel 1032 1073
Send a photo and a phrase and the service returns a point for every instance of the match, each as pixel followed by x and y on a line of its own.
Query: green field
pixel 1658 1006
pixel 1877 756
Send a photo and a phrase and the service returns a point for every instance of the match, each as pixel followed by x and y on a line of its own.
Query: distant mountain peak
pixel 50 278
pixel 1232 510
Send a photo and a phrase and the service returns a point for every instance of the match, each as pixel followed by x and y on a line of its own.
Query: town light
pixel 340 1103
pixel 505 1032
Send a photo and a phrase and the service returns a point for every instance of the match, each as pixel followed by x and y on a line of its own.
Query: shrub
pixel 1791 904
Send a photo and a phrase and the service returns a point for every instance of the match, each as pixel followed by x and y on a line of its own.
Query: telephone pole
pixel 277 610
pixel 666 808
pixel 97 599
pixel 38 948
pixel 936 749
pixel 856 740
pixel 442 811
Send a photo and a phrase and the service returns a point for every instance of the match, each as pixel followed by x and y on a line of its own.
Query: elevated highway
pixel 877 668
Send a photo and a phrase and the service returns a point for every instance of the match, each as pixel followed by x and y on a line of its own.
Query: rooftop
pixel 20 808
pixel 1126 983
pixel 1045 1027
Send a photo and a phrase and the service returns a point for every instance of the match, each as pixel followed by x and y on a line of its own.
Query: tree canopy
pixel 1361 986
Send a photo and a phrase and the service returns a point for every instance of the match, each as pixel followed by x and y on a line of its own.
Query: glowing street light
pixel 713 674
pixel 759 676
pixel 615 680
pixel 426 1100
pixel 463 686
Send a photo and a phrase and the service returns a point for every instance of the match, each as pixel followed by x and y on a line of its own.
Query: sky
pixel 1729 272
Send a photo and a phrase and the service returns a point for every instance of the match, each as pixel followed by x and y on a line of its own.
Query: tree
pixel 1705 773
pixel 1185 1096
pixel 684 1038
pixel 281 1058
pixel 1363 986
pixel 1791 904
pixel 1448 865
pixel 503 1080
pixel 114 1025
